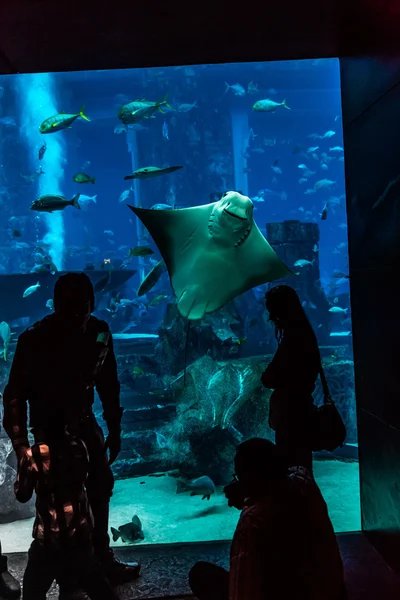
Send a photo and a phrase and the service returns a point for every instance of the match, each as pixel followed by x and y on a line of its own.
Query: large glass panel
pixel 191 388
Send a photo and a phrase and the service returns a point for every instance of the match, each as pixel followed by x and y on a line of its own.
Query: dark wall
pixel 110 35
pixel 371 121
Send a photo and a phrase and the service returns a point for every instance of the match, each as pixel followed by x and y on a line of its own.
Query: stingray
pixel 213 252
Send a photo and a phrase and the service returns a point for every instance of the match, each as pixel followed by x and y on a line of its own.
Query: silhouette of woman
pixel 291 374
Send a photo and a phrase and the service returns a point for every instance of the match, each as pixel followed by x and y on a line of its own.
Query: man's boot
pixel 10 588
pixel 115 571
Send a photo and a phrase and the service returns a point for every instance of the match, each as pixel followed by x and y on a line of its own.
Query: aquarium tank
pixel 81 154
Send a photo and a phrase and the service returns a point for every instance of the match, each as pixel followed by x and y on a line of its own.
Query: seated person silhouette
pixel 284 546
pixel 62 548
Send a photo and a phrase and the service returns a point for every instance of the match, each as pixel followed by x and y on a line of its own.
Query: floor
pixel 165 568
pixel 168 517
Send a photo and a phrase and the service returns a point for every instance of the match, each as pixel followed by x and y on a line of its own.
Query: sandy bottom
pixel 167 517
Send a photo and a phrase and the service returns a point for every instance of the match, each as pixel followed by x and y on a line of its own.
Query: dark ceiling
pixel 46 35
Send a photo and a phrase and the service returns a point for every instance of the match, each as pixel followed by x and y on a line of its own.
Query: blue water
pixel 221 143
pixel 198 140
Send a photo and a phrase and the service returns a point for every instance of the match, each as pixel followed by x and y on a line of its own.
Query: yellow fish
pixel 61 121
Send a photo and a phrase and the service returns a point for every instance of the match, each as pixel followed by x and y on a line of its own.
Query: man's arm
pixel 275 373
pixel 108 388
pixel 26 476
pixel 15 397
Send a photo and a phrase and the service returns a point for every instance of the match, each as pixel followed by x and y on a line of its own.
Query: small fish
pixel 137 371
pixel 277 170
pixel 125 195
pixel 165 131
pixel 150 172
pixel 313 149
pixel 34 176
pixel 46 267
pixel 252 88
pixel 157 299
pixel 336 149
pixel 130 532
pixel 324 166
pixel 5 335
pixel 302 180
pixel 309 191
pixel 50 203
pixel 109 232
pixel 61 121
pixel 151 278
pixel 50 304
pixel 84 201
pixel 140 251
pixel 135 111
pixel 302 262
pixel 324 184
pixel 31 290
pixel 328 134
pixel 302 166
pixel 315 249
pixel 236 88
pixel 42 151
pixel 241 341
pixel 161 207
pixel 337 309
pixel 324 213
pixel 83 178
pixel 186 107
pixel 269 105
pixel 202 486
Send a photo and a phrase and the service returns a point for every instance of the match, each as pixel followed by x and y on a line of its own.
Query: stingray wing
pixel 204 275
pixel 257 263
pixel 178 234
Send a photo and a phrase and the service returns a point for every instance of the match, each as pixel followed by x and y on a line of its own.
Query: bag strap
pixel 325 388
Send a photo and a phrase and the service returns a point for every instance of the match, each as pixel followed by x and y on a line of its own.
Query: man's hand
pixel 235 494
pixel 113 444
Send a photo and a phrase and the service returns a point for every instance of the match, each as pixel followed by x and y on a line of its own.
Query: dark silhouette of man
pixel 57 364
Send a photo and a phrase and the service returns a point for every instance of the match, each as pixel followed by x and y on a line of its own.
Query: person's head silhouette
pixel 74 299
pixel 257 464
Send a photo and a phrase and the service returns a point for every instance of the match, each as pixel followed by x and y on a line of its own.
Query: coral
pixel 202 438
pixel 214 391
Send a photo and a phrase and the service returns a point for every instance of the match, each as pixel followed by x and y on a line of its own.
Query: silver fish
pixel 202 486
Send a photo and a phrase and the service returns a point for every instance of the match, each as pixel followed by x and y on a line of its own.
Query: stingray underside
pixel 204 275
